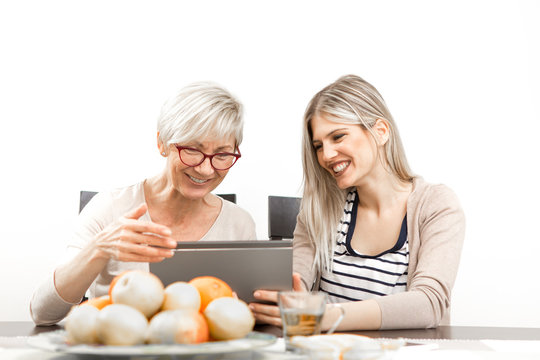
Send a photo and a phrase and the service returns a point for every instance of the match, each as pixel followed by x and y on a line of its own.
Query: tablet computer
pixel 245 265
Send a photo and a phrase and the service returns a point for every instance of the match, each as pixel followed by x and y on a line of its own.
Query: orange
pixel 210 288
pixel 194 333
pixel 99 302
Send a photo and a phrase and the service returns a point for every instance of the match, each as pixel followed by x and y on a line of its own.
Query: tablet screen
pixel 245 265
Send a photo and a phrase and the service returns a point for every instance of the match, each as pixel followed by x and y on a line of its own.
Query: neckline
pixel 402 237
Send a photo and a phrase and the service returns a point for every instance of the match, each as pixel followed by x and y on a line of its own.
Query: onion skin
pixel 229 318
pixel 119 324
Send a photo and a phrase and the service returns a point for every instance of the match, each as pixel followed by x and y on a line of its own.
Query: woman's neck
pixel 382 193
pixel 169 205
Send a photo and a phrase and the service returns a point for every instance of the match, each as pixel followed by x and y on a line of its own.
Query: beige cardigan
pixel 435 229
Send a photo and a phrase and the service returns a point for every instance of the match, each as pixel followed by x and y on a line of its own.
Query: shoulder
pixel 429 200
pixel 132 195
pixel 234 212
pixel 233 223
pixel 108 205
pixel 425 193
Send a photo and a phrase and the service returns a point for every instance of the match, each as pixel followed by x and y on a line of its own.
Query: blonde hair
pixel 202 109
pixel 349 100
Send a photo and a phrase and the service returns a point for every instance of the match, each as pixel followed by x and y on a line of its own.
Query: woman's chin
pixel 196 192
pixel 195 195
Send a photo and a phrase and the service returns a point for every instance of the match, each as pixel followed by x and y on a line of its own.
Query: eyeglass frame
pixel 236 155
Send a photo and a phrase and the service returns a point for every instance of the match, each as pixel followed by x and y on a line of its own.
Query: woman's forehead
pixel 321 125
pixel 214 142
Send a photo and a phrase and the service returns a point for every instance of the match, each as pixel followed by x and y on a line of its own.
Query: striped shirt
pixel 360 277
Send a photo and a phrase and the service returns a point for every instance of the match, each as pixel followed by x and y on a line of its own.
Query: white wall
pixel 81 84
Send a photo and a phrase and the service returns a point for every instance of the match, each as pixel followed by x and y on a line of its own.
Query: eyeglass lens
pixel 192 157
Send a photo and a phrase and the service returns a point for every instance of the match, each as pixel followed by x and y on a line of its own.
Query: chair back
pixel 282 213
pixel 230 197
pixel 84 198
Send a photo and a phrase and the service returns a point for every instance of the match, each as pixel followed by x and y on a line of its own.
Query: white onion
pixel 229 318
pixel 81 325
pixel 119 324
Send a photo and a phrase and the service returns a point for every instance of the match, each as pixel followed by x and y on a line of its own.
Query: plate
pixel 345 346
pixel 56 341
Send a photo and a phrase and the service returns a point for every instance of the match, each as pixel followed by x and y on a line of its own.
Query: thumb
pixel 137 212
pixel 297 282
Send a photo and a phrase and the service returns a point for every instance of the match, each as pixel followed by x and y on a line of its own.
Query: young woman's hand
pixel 269 313
pixel 131 239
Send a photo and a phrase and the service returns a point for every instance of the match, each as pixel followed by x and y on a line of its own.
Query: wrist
pixel 333 316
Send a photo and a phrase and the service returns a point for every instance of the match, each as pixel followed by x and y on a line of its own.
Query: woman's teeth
pixel 340 167
pixel 198 181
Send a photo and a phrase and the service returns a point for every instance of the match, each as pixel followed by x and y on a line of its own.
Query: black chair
pixel 282 213
pixel 86 196
pixel 230 197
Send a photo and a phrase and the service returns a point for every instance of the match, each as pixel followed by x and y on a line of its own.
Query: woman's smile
pixel 340 167
pixel 198 181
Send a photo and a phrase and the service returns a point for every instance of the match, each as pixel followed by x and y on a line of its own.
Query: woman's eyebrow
pixel 329 134
pixel 199 145
pixel 225 147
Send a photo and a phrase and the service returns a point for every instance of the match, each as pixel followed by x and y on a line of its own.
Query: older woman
pixel 379 240
pixel 199 133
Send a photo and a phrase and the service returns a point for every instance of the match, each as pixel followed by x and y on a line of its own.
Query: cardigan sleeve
pixel 437 230
pixel 303 255
pixel 46 306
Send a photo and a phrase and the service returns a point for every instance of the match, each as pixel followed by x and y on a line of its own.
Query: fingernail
pixel 256 294
pixel 251 307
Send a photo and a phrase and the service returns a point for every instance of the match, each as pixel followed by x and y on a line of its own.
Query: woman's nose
pixel 328 152
pixel 205 168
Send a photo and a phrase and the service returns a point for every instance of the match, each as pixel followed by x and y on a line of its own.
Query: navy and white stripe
pixel 361 277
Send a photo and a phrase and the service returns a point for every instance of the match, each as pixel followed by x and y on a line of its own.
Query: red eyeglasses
pixel 219 161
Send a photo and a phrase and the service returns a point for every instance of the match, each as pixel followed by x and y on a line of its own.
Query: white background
pixel 81 85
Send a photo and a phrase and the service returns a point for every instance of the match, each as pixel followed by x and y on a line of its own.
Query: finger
pixel 137 212
pixel 142 250
pixel 234 295
pixel 127 257
pixel 147 239
pixel 276 321
pixel 265 309
pixel 297 282
pixel 148 227
pixel 266 295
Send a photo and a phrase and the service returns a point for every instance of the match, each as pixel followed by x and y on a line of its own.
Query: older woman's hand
pixel 131 239
pixel 269 313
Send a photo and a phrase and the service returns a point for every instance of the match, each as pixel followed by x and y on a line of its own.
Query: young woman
pixel 379 240
pixel 199 133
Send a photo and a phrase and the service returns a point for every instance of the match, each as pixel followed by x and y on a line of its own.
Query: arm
pixel 436 230
pixel 303 256
pixel 126 239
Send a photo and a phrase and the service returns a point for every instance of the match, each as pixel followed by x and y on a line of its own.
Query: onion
pixel 228 318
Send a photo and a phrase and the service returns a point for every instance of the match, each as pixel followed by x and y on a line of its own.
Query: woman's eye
pixel 338 137
pixel 317 147
pixel 191 151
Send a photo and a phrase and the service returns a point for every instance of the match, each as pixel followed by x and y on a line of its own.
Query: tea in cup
pixel 302 313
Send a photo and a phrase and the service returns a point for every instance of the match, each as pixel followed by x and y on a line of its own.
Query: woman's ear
pixel 382 131
pixel 162 148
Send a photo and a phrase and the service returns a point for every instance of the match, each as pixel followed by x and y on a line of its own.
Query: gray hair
pixel 200 110
pixel 349 100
